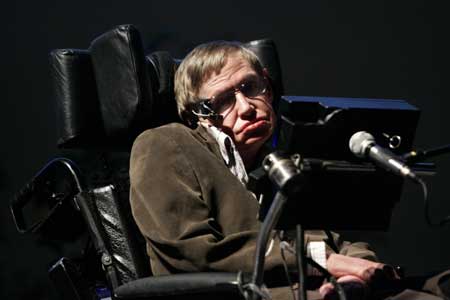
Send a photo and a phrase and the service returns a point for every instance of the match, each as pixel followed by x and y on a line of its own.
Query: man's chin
pixel 252 143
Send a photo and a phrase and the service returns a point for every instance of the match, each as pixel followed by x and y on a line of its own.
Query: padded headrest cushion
pixel 122 82
pixel 163 67
pixel 75 90
pixel 266 51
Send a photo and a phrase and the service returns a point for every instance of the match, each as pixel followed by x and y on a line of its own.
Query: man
pixel 189 186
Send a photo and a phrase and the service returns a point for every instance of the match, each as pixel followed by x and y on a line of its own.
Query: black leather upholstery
pixel 192 284
pixel 114 236
pixel 46 201
pixel 123 83
pixel 75 91
pixel 267 53
pixel 162 67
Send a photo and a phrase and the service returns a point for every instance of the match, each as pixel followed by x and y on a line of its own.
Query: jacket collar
pixel 202 133
pixel 209 140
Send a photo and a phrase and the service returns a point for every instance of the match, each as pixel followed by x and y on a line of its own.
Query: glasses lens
pixel 224 101
pixel 250 88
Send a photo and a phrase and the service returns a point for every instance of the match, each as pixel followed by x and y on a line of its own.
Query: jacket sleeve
pixel 179 225
pixel 358 249
pixel 352 249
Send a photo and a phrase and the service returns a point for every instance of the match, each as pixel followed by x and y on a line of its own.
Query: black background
pixel 372 49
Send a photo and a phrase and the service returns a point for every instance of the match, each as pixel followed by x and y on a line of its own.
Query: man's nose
pixel 243 104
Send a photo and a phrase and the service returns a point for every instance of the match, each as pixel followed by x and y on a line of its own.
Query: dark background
pixel 376 49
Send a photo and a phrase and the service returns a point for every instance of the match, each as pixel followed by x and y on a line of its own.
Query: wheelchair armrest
pixel 47 199
pixel 180 285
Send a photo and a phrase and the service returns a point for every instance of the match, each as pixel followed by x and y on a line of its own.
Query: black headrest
pixel 78 109
pixel 267 53
pixel 123 83
pixel 112 92
pixel 162 67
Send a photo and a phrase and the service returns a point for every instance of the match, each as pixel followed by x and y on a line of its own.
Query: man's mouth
pixel 256 126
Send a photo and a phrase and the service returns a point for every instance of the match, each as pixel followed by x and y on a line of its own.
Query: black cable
pixel 427 207
pixel 299 249
pixel 286 271
pixel 339 289
pixel 331 242
pixel 321 269
pixel 415 156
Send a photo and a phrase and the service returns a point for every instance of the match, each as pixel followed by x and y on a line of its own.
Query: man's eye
pixel 250 88
pixel 223 101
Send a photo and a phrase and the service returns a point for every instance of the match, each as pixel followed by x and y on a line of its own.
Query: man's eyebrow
pixel 249 76
pixel 245 78
pixel 220 91
pixel 229 88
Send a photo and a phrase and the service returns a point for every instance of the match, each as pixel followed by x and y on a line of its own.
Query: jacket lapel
pixel 202 134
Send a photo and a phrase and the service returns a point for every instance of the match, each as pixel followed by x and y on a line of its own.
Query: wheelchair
pixel 107 95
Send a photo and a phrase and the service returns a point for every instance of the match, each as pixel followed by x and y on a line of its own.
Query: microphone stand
pixel 286 174
pixel 261 244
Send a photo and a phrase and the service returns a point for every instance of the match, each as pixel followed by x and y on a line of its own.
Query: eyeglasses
pixel 220 104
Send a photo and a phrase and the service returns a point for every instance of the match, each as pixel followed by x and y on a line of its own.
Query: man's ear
pixel 206 121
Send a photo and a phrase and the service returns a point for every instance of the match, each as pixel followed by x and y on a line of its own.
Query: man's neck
pixel 250 158
pixel 253 157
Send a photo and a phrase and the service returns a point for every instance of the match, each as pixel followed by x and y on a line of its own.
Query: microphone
pixel 362 144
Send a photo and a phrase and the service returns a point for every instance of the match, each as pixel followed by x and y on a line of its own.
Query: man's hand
pixel 340 265
pixel 355 275
pixel 353 286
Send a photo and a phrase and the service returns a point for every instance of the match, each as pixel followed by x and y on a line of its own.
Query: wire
pixel 427 207
pixel 286 271
pixel 330 242
pixel 299 249
pixel 340 291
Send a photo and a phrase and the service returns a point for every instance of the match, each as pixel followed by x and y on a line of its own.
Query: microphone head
pixel 360 142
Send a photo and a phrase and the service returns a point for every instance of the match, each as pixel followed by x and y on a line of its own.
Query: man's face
pixel 248 118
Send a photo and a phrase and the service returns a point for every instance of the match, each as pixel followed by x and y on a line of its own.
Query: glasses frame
pixel 203 107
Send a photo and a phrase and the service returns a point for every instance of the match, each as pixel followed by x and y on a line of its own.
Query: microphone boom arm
pixel 421 155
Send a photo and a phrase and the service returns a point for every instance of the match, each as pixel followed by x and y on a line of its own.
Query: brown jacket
pixel 194 213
